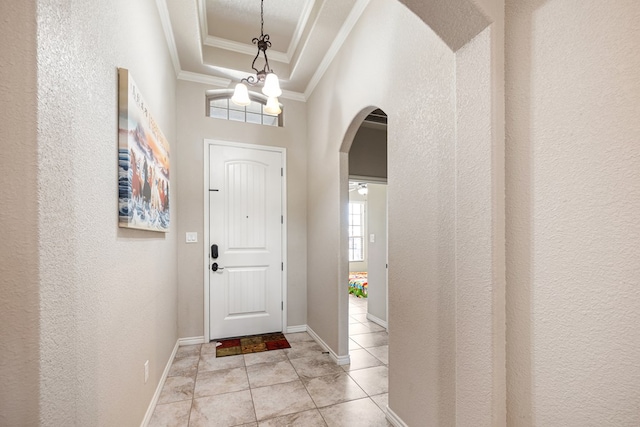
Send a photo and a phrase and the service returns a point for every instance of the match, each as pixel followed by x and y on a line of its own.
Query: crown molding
pixel 165 20
pixel 342 35
pixel 294 96
pixel 297 34
pixel 203 78
pixel 201 11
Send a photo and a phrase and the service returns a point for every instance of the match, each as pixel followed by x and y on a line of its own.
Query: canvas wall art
pixel 143 162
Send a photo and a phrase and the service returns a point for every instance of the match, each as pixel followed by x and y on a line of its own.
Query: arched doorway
pixel 365 254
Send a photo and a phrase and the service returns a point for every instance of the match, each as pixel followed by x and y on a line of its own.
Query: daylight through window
pixel 356 231
pixel 221 107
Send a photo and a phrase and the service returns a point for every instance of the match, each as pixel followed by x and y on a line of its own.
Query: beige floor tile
pixel 209 362
pixel 382 400
pixel 208 348
pixel 222 381
pixel 281 399
pixel 298 337
pixel 374 339
pixel 360 317
pixel 374 327
pixel 353 320
pixel 353 345
pixel 361 359
pixel 185 367
pixel 359 328
pixel 381 353
pixel 362 412
pixel 355 300
pixel 315 366
pixel 354 309
pixel 171 415
pixel 265 374
pixel 332 389
pixel 372 380
pixel 301 419
pixel 223 410
pixel 303 349
pixel 264 357
pixel 188 350
pixel 176 389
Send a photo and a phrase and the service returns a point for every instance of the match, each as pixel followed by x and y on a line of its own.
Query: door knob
pixel 214 267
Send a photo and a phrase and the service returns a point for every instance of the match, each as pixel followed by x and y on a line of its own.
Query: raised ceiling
pixel 211 40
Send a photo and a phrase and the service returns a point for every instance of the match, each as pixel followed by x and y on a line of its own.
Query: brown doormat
pixel 251 344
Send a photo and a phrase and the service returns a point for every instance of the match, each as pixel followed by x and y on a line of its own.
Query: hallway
pixel 299 386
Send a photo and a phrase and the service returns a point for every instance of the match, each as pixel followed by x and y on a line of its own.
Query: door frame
pixel 208 143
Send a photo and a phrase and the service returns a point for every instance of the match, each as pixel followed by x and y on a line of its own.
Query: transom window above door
pixel 219 106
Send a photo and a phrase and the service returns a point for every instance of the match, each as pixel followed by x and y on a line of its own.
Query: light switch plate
pixel 192 237
pixel 372 238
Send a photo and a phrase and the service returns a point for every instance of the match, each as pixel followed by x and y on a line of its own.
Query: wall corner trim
pixel 156 395
pixel 340 360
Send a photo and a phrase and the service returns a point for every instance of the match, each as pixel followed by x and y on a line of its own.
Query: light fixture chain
pixel 262 17
pixel 265 76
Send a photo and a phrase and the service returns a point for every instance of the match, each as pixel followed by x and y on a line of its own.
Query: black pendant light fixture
pixel 265 77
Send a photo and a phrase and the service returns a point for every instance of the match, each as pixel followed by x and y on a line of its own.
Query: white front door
pixel 246 224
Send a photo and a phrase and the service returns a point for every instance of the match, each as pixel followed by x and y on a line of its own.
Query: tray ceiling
pixel 210 40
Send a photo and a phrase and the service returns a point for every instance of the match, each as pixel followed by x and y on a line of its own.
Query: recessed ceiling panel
pixel 239 20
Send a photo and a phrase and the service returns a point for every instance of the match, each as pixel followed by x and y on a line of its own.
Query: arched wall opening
pixel 446 245
pixel 373 141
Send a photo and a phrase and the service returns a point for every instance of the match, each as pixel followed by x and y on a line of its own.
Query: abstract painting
pixel 143 162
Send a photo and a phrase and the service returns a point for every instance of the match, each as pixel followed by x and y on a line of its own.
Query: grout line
pixel 195 380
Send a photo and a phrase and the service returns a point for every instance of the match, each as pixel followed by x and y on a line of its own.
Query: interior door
pixel 245 241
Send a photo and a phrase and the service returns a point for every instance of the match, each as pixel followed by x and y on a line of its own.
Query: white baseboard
pixel 394 419
pixel 156 395
pixel 340 360
pixel 377 320
pixel 191 341
pixel 295 329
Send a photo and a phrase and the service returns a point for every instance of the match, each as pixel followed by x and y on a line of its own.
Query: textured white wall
pixel 480 281
pixel 19 366
pixel 416 86
pixel 573 209
pixel 107 295
pixel 193 128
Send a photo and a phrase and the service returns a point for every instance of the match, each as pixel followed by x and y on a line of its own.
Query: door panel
pixel 245 221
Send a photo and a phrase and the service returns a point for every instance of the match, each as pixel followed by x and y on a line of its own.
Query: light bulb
pixel 241 95
pixel 273 106
pixel 271 86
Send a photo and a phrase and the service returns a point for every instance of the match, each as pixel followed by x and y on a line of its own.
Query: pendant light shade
pixel 273 106
pixel 241 95
pixel 265 76
pixel 271 86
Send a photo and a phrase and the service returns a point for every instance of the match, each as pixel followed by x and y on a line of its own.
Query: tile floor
pixel 299 386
